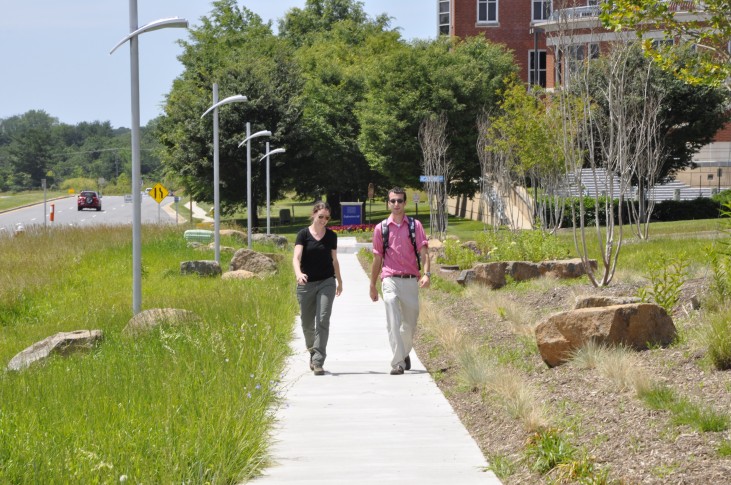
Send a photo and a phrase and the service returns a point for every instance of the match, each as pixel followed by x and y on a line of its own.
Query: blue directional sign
pixel 431 178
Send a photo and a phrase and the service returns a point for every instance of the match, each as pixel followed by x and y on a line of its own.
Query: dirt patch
pixel 622 436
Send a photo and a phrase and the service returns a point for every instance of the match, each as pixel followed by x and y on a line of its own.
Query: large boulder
pixel 62 343
pixel 565 268
pixel 146 320
pixel 635 325
pixel 252 261
pixel 494 274
pixel 201 268
pixel 523 270
pixel 491 274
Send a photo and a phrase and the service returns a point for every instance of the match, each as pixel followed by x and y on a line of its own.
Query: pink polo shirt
pixel 400 257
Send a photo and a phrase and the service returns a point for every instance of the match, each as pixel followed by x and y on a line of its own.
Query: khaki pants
pixel 401 296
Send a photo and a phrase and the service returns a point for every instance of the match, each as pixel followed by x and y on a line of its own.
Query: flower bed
pixel 354 229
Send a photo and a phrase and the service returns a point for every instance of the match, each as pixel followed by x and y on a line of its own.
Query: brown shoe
pixel 319 371
pixel 397 371
pixel 407 363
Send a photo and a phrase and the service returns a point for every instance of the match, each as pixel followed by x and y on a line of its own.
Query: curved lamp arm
pixel 173 22
pixel 276 150
pixel 255 135
pixel 230 99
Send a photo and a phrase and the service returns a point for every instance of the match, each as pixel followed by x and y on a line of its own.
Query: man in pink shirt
pixel 399 264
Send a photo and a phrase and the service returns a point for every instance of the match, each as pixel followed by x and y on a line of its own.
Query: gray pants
pixel 316 302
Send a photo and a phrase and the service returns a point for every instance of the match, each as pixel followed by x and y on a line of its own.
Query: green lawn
pixel 9 200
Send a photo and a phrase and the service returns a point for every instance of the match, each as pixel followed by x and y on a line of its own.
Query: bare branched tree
pixel 435 164
pixel 600 127
pixel 649 154
pixel 492 173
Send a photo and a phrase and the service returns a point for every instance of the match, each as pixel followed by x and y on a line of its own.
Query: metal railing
pixel 576 13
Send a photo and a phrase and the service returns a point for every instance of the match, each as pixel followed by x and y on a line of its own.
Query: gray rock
pixel 62 343
pixel 240 235
pixel 240 274
pixel 466 277
pixel 201 267
pixel 149 319
pixel 279 241
pixel 252 261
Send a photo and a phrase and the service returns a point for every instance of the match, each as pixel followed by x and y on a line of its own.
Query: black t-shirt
pixel 317 261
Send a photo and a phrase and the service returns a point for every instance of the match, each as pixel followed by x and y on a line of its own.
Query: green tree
pixel 235 49
pixel 31 147
pixel 458 78
pixel 704 26
pixel 334 86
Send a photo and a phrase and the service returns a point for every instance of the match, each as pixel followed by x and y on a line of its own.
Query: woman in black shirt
pixel 317 270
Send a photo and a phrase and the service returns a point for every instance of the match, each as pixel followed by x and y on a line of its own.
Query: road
pixel 114 212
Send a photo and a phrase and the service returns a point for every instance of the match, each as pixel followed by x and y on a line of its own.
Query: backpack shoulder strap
pixel 412 236
pixel 384 235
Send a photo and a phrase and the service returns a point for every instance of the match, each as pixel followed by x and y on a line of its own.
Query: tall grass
pixel 186 404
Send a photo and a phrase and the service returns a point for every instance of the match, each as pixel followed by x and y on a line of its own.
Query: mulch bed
pixel 635 444
pixel 632 443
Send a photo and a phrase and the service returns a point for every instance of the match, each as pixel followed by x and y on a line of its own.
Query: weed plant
pixel 182 404
pixel 547 449
pixel 684 411
pixel 667 276
pixel 716 334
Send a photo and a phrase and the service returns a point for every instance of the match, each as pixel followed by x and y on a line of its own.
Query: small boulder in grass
pixel 62 343
pixel 240 274
pixel 146 320
pixel 201 268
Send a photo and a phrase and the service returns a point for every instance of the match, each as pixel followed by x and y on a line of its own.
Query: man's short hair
pixel 398 190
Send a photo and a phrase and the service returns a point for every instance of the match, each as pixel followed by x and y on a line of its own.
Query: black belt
pixel 403 276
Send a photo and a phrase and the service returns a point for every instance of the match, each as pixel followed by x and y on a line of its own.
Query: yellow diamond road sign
pixel 158 192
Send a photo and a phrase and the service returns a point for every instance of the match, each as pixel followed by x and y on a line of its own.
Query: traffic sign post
pixel 158 192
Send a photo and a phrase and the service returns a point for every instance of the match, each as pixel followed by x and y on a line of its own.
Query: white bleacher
pixel 597 183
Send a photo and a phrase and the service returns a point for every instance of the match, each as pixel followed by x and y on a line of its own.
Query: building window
pixel 537 72
pixel 593 51
pixel 541 9
pixel 444 17
pixel 486 11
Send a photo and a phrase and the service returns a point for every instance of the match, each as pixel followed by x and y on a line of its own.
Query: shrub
pixel 717 336
pixel 666 277
pixel 455 254
pixel 535 245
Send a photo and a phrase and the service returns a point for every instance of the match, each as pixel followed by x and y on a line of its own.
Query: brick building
pixel 528 27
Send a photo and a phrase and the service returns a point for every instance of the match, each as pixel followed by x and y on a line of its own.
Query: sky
pixel 54 55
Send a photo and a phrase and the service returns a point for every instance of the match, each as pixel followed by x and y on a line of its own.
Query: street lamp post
pixel 266 155
pixel 174 22
pixel 249 136
pixel 216 173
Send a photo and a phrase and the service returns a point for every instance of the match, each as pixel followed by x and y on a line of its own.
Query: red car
pixel 89 200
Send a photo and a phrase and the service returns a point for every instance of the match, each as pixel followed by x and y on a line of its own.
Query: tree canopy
pixel 703 26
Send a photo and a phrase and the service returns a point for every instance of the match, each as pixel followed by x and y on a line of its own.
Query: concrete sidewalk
pixel 358 424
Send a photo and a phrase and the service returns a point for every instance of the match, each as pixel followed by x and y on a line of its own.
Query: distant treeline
pixel 35 146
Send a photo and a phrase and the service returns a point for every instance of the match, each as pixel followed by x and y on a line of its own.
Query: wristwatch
pixel 428 273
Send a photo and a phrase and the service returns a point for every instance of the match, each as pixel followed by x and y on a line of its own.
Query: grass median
pixel 190 404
